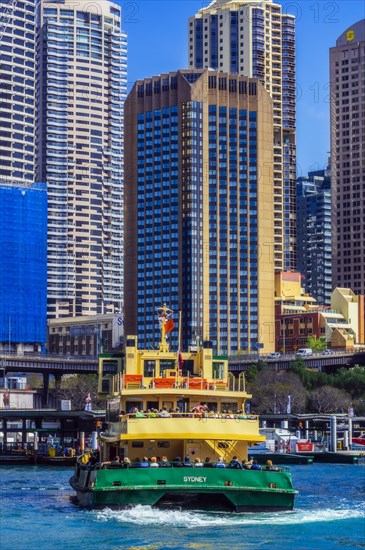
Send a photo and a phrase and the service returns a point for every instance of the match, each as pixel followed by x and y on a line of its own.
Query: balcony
pixel 185 426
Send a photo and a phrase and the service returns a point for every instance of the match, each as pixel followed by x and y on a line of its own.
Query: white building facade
pixel 81 89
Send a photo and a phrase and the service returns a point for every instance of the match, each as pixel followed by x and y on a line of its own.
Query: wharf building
pixel 347 77
pixel 17 90
pixel 255 38
pixel 199 216
pixel 314 247
pixel 81 89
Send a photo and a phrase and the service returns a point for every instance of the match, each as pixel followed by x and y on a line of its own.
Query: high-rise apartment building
pixel 17 90
pixel 314 249
pixel 199 209
pixel 347 76
pixel 81 88
pixel 256 39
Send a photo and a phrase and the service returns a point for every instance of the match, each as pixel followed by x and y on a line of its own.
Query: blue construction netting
pixel 23 263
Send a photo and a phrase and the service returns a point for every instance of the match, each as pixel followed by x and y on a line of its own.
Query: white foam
pixel 146 515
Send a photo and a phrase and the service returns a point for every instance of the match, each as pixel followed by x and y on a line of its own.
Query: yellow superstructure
pixel 170 403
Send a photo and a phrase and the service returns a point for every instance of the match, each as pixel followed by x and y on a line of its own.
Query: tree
pixel 328 399
pixel 317 344
pixel 271 391
pixel 76 389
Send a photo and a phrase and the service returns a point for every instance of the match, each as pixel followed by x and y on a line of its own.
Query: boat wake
pixel 146 515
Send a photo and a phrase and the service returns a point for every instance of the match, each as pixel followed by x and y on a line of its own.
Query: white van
pixel 304 352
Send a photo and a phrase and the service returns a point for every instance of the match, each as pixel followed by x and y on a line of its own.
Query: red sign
pixel 305 447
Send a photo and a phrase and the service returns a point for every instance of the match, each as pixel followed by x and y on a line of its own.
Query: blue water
pixel 36 513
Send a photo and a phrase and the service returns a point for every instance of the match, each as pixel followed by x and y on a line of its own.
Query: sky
pixel 157 43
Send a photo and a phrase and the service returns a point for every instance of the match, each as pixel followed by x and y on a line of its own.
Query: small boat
pixel 177 432
pixel 359 442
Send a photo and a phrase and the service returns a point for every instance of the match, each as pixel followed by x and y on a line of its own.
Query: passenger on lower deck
pixel 154 463
pixel 235 464
pixel 187 462
pixel 220 463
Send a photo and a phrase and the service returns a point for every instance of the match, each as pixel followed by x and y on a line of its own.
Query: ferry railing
pixel 193 414
pixel 133 382
pixel 247 467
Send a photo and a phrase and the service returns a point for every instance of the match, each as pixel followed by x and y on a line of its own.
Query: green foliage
pixel 316 344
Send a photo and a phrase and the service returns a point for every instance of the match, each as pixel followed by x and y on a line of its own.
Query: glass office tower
pixel 256 39
pixel 199 209
pixel 347 76
pixel 82 85
pixel 314 247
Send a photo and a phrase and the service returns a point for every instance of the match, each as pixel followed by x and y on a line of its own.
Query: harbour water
pixel 36 513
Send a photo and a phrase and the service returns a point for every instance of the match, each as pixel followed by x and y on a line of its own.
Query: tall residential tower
pixel 82 84
pixel 199 209
pixel 347 75
pixel 254 38
pixel 17 90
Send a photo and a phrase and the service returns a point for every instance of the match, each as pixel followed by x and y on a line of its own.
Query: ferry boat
pixel 177 432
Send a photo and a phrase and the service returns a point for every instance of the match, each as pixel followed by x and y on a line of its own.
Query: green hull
pixel 240 490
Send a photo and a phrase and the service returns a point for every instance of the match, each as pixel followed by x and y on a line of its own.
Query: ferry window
pixel 149 368
pixel 105 385
pixel 166 365
pixel 218 370
pixel 131 405
pixel 163 444
pixel 137 444
pixel 229 407
pixel 188 367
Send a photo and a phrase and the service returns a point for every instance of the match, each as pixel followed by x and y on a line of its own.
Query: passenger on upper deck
pixel 164 463
pixel 178 463
pixel 208 463
pixel 198 463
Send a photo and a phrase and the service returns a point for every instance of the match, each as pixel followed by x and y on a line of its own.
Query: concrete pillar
pixel 346 440
pixel 350 432
pixel 307 430
pixel 58 380
pixel 45 396
pixel 24 432
pixel 20 348
pixel 333 434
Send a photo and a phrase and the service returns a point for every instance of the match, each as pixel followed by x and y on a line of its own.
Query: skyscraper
pixel 347 76
pixel 199 209
pixel 254 38
pixel 82 84
pixel 314 250
pixel 17 90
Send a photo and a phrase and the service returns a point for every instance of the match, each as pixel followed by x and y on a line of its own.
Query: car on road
pixel 304 352
pixel 274 355
pixel 327 352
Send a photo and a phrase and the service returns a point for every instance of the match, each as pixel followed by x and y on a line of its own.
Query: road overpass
pixel 326 363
